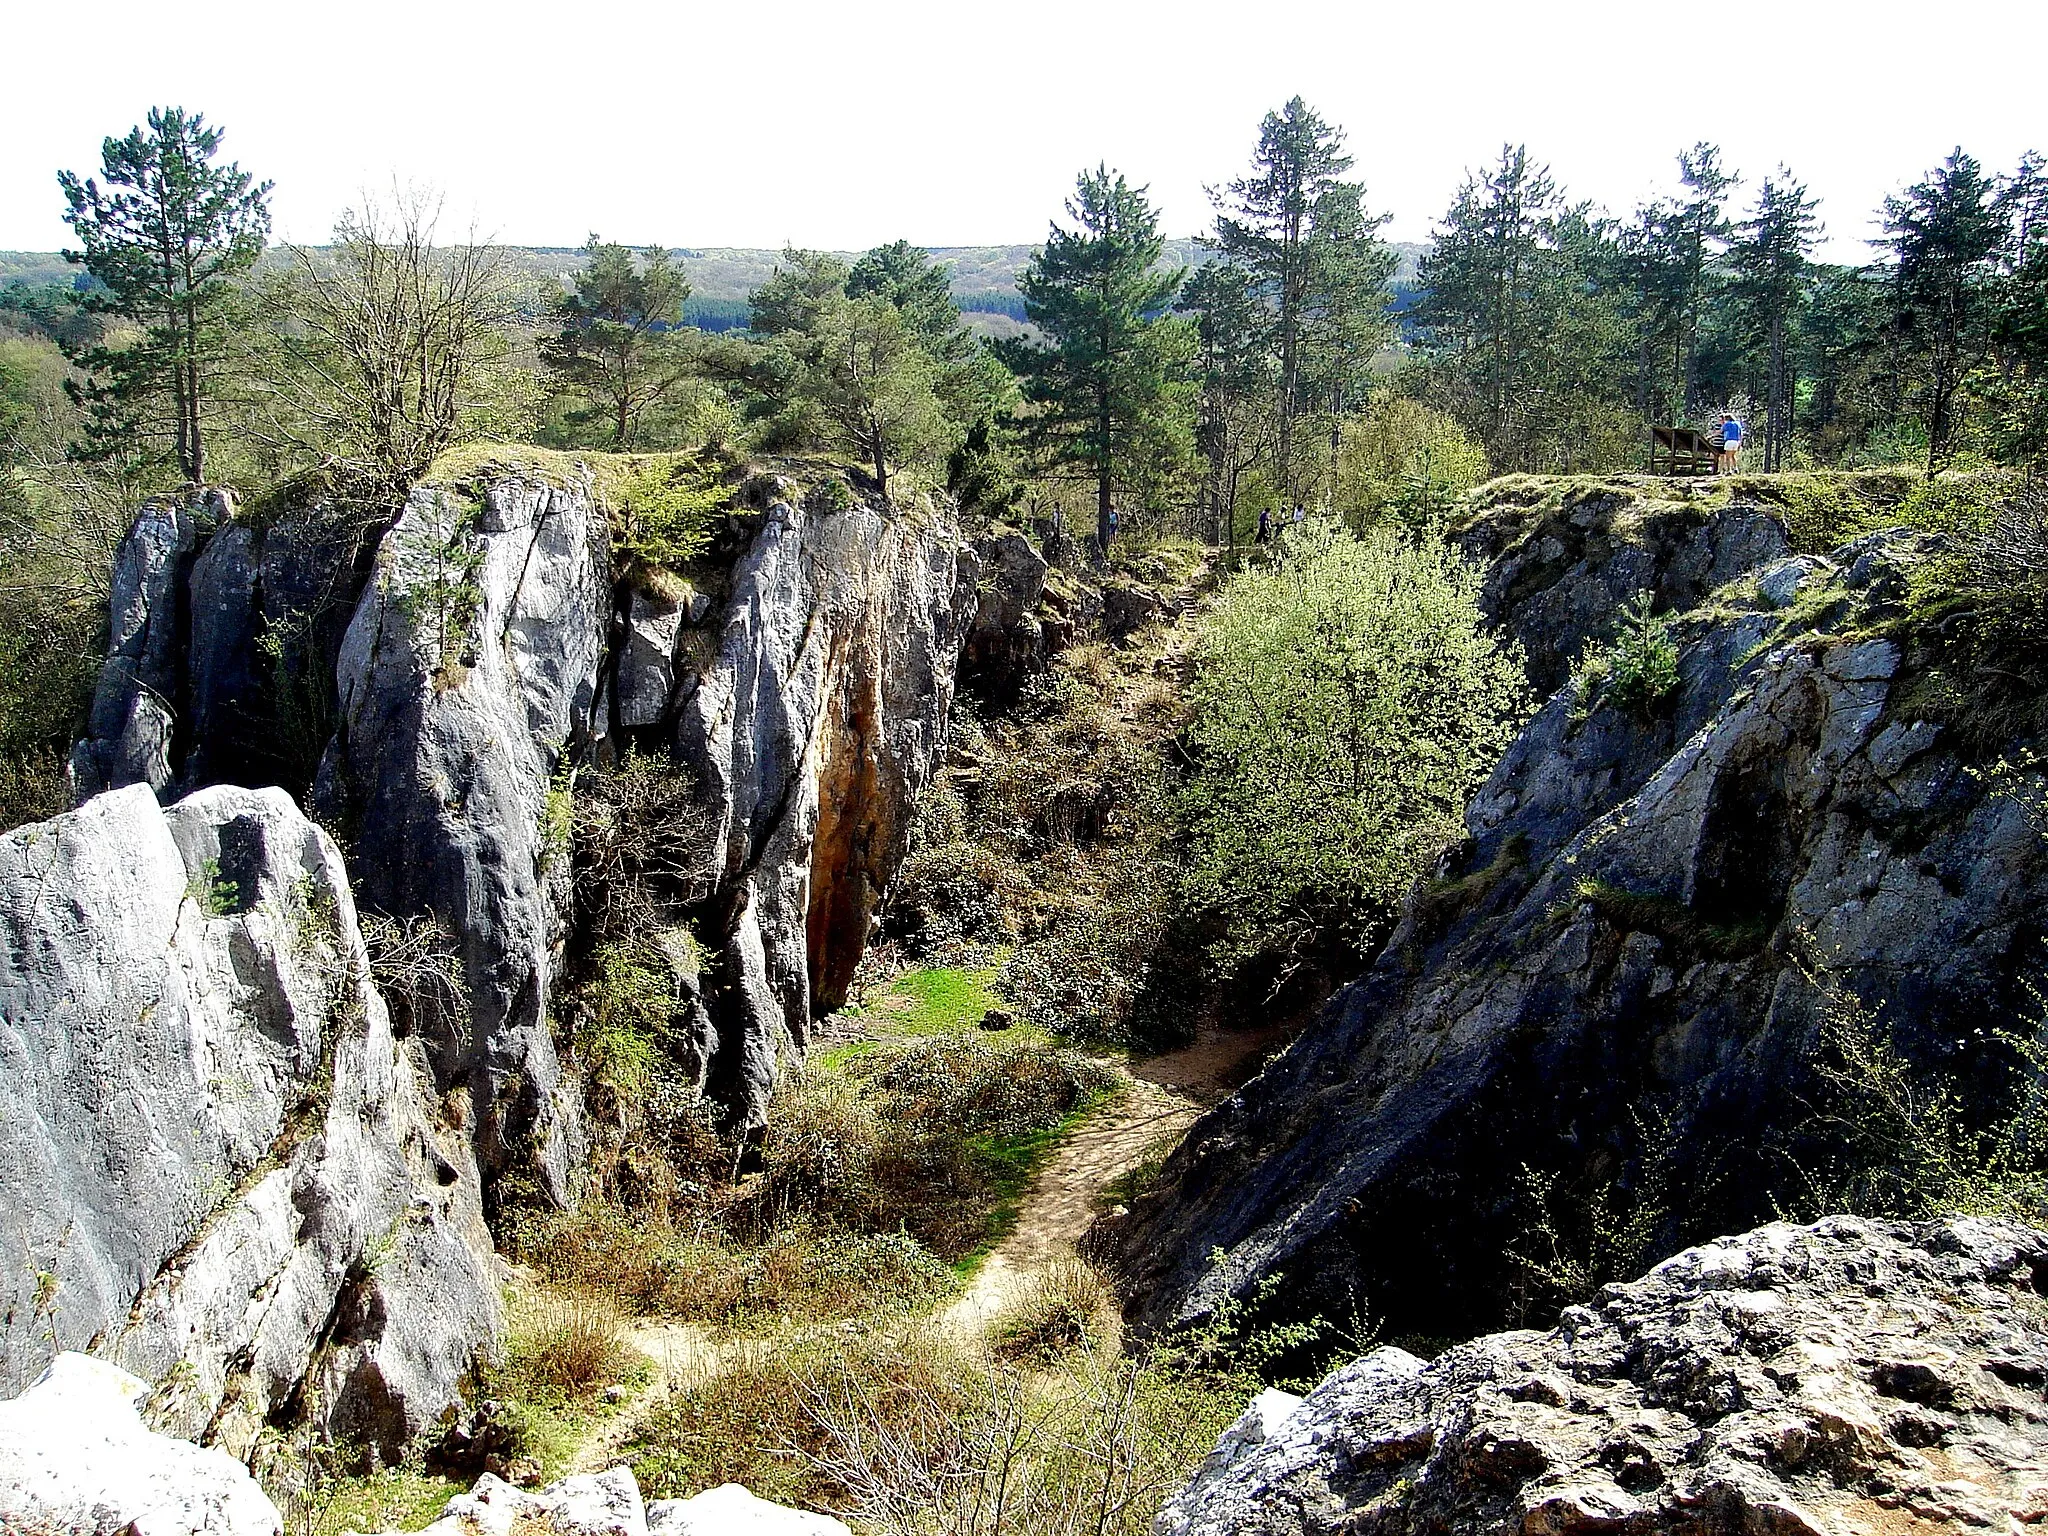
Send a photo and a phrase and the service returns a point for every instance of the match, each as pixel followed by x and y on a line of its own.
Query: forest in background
pixel 1290 358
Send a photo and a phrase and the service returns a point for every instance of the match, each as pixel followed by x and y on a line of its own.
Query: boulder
pixel 730 1510
pixel 1844 1376
pixel 1618 984
pixel 76 1458
pixel 217 1163
pixel 608 1504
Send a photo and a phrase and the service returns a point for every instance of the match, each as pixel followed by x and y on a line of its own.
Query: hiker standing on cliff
pixel 1730 456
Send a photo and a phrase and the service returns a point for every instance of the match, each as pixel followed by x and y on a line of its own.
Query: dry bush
pixel 1094 1447
pixel 753 1423
pixel 567 1344
pixel 1065 1306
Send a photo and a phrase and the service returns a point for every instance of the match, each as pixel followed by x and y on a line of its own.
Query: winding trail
pixel 1166 1094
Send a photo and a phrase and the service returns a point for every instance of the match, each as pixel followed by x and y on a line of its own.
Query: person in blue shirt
pixel 1731 446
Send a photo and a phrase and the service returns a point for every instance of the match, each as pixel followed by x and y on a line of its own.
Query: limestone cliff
pixel 1617 985
pixel 491 652
pixel 218 1165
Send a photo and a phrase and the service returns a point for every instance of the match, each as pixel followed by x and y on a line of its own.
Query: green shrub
pixel 1642 664
pixel 664 513
pixel 1346 701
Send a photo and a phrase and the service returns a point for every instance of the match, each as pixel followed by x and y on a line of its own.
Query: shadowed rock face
pixel 217 1164
pixel 1618 985
pixel 1848 1376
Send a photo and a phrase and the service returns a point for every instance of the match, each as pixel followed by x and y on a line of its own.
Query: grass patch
pixel 391 1500
pixel 940 1000
pixel 1011 1163
pixel 1673 921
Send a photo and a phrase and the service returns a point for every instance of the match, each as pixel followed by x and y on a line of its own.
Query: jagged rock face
pixel 806 686
pixel 222 629
pixel 135 708
pixel 469 669
pixel 1848 1376
pixel 217 1165
pixel 1625 981
pixel 1008 643
pixel 1554 579
pixel 813 729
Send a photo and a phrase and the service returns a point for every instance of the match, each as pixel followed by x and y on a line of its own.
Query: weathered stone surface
pixel 1556 578
pixel 805 682
pixel 141 692
pixel 1844 1377
pixel 207 1130
pixel 469 669
pixel 1623 981
pixel 730 1510
pixel 1007 643
pixel 812 730
pixel 647 663
pixel 76 1458
pixel 224 634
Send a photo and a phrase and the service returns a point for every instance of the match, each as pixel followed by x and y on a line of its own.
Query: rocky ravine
pixel 1620 987
pixel 1831 1380
pixel 804 677
pixel 225 1163
pixel 217 1162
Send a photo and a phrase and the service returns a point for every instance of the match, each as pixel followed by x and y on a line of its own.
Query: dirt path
pixel 1062 1201
pixel 679 1353
pixel 1167 1092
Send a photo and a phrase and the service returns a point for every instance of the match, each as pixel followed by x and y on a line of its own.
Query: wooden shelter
pixel 1683 451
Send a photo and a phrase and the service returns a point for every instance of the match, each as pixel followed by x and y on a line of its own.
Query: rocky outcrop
pixel 801 672
pixel 467 678
pixel 218 1166
pixel 1008 643
pixel 1616 991
pixel 1559 566
pixel 813 729
pixel 76 1458
pixel 1844 1377
pixel 609 1504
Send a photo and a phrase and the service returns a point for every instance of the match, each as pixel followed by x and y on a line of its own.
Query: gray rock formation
pixel 609 1504
pixel 469 670
pixel 217 1165
pixel 1618 987
pixel 1008 642
pixel 1556 574
pixel 137 706
pixel 804 679
pixel 813 728
pixel 1808 1381
pixel 76 1458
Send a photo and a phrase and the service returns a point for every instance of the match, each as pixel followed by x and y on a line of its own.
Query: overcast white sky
pixel 845 124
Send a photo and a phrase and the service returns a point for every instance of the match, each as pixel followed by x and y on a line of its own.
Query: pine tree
pixel 1773 273
pixel 621 338
pixel 1109 379
pixel 1315 259
pixel 1236 369
pixel 1945 234
pixel 166 235
pixel 1698 231
pixel 1478 277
